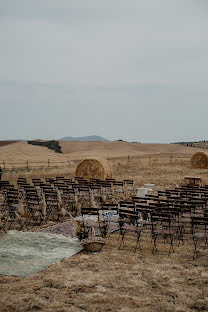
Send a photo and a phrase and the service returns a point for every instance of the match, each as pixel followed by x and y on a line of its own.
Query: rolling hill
pixel 21 152
pixel 121 149
pixel 84 139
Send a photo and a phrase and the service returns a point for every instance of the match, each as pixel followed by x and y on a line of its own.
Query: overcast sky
pixel 130 69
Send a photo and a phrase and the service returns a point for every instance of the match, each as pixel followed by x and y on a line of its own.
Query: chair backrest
pixel 11 199
pixel 163 219
pixel 51 196
pixel 59 178
pixel 118 184
pixel 128 214
pixel 67 180
pixel 21 180
pixel 109 206
pixel 128 182
pixel 201 222
pixel 49 180
pixel 126 203
pixel 32 197
pixel 151 196
pixel 89 211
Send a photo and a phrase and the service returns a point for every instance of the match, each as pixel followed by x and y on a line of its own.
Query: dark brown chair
pixel 100 226
pixel 162 226
pixel 199 231
pixel 128 222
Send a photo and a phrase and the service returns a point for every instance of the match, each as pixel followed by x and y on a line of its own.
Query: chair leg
pixel 195 249
pixel 122 239
pixel 179 236
pixel 11 222
pixel 171 245
pixel 205 245
pixel 103 231
pixel 154 243
pixel 120 233
pixel 138 242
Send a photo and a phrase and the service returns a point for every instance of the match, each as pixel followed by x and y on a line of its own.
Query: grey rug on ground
pixel 25 253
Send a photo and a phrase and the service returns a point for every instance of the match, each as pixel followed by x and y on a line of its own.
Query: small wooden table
pixel 193 180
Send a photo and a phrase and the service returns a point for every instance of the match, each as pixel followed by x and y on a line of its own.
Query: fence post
pixel 48 163
pixel 27 165
pixel 171 159
pixel 128 157
pixel 4 164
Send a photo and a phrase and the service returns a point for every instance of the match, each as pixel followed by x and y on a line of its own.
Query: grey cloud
pixel 142 66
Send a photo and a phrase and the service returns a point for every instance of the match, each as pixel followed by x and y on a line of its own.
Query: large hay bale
pixel 199 160
pixel 94 169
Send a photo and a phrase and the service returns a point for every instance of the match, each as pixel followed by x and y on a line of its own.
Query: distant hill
pixel 84 139
pixel 198 144
pixel 4 143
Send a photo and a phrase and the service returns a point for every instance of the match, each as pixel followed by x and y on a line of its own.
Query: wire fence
pixel 29 165
pixel 51 164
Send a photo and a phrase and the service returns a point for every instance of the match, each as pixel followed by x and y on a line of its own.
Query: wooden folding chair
pixel 128 221
pixel 161 226
pixel 34 209
pixel 96 223
pixel 52 203
pixel 199 231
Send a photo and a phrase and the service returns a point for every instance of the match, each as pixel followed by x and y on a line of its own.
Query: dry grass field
pixel 20 152
pixel 162 171
pixel 118 280
pixel 114 280
pixel 118 149
pixel 16 155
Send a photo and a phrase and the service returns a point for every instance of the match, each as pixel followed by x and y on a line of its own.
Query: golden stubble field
pixel 19 153
pixel 145 163
pixel 114 280
pixel 162 171
pixel 118 280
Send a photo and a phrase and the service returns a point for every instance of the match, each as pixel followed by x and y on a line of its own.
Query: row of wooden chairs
pixel 54 193
pixel 165 217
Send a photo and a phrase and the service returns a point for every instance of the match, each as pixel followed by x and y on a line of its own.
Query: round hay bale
pixel 199 160
pixel 94 169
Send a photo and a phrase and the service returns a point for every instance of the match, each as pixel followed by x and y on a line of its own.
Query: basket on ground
pixel 93 243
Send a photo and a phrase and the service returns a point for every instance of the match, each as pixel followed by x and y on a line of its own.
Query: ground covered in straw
pixel 114 280
pixel 118 280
